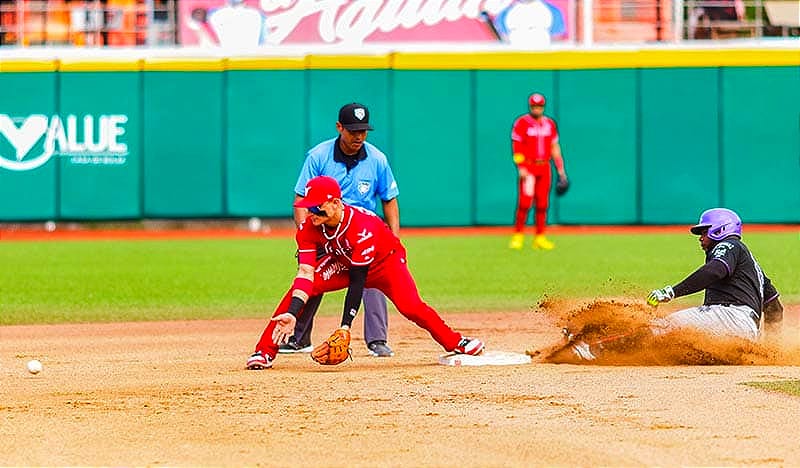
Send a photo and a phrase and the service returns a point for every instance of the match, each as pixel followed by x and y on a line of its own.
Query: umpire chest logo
pixel 363 187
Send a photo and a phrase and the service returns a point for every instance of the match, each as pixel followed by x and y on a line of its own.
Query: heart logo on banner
pixel 24 137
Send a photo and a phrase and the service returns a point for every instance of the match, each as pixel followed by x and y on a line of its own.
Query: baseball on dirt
pixel 34 366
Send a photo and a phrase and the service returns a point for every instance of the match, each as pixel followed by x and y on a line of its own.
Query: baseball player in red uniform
pixel 534 141
pixel 360 251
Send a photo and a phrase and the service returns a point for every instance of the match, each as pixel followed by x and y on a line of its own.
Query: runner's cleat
pixel 581 349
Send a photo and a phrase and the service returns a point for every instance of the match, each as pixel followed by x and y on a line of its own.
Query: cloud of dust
pixel 618 333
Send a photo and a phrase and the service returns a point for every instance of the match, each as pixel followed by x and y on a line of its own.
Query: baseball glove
pixel 562 186
pixel 334 350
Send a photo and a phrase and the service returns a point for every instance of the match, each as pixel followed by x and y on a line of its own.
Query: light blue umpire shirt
pixel 361 177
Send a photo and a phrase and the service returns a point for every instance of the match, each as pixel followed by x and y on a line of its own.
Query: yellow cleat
pixel 541 242
pixel 517 241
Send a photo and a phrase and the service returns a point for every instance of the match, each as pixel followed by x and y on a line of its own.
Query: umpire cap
pixel 354 117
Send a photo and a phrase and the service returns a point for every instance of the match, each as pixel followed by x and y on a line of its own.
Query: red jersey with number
pixel 360 239
pixel 533 139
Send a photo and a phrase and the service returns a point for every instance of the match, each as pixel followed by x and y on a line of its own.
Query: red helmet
pixel 536 99
pixel 319 190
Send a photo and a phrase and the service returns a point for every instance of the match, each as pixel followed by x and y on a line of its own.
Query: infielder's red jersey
pixel 533 139
pixel 362 238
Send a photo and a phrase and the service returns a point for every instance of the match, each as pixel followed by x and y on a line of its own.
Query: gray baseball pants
pixel 376 318
pixel 719 320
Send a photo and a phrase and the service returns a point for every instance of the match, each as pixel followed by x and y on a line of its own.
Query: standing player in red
pixel 360 251
pixel 534 141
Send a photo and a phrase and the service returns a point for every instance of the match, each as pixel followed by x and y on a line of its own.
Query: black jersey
pixel 745 284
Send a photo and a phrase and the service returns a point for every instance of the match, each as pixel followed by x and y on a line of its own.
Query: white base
pixel 487 358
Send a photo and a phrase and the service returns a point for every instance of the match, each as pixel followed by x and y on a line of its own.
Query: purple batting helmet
pixel 720 222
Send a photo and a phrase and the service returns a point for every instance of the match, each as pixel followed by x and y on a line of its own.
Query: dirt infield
pixel 175 393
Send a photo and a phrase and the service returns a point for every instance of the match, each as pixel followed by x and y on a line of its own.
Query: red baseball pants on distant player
pixel 533 188
pixel 392 277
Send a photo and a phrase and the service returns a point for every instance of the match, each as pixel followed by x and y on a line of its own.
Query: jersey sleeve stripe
pixel 774 296
pixel 727 267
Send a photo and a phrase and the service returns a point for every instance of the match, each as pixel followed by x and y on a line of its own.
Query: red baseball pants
pixel 533 188
pixel 393 278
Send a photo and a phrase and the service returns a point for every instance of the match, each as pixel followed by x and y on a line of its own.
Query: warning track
pixel 284 231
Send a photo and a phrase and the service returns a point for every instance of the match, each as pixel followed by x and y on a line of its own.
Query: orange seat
pixel 122 27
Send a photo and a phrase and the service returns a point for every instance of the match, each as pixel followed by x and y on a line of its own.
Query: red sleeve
pixel 306 244
pixel 518 135
pixel 555 131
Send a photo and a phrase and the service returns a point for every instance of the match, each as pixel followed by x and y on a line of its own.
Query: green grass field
pixel 98 281
pixel 792 387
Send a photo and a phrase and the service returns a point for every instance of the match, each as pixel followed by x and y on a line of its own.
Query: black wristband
pixel 355 291
pixel 296 306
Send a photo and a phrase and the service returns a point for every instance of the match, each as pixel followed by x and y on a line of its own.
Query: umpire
pixel 363 173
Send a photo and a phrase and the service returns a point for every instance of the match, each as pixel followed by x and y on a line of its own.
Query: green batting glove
pixel 658 296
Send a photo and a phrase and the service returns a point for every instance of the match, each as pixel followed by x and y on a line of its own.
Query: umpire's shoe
pixel 258 361
pixel 293 347
pixel 379 348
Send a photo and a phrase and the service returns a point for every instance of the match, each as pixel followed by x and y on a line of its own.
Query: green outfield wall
pixel 649 137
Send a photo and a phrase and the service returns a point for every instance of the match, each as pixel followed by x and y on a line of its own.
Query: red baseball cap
pixel 536 99
pixel 319 190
